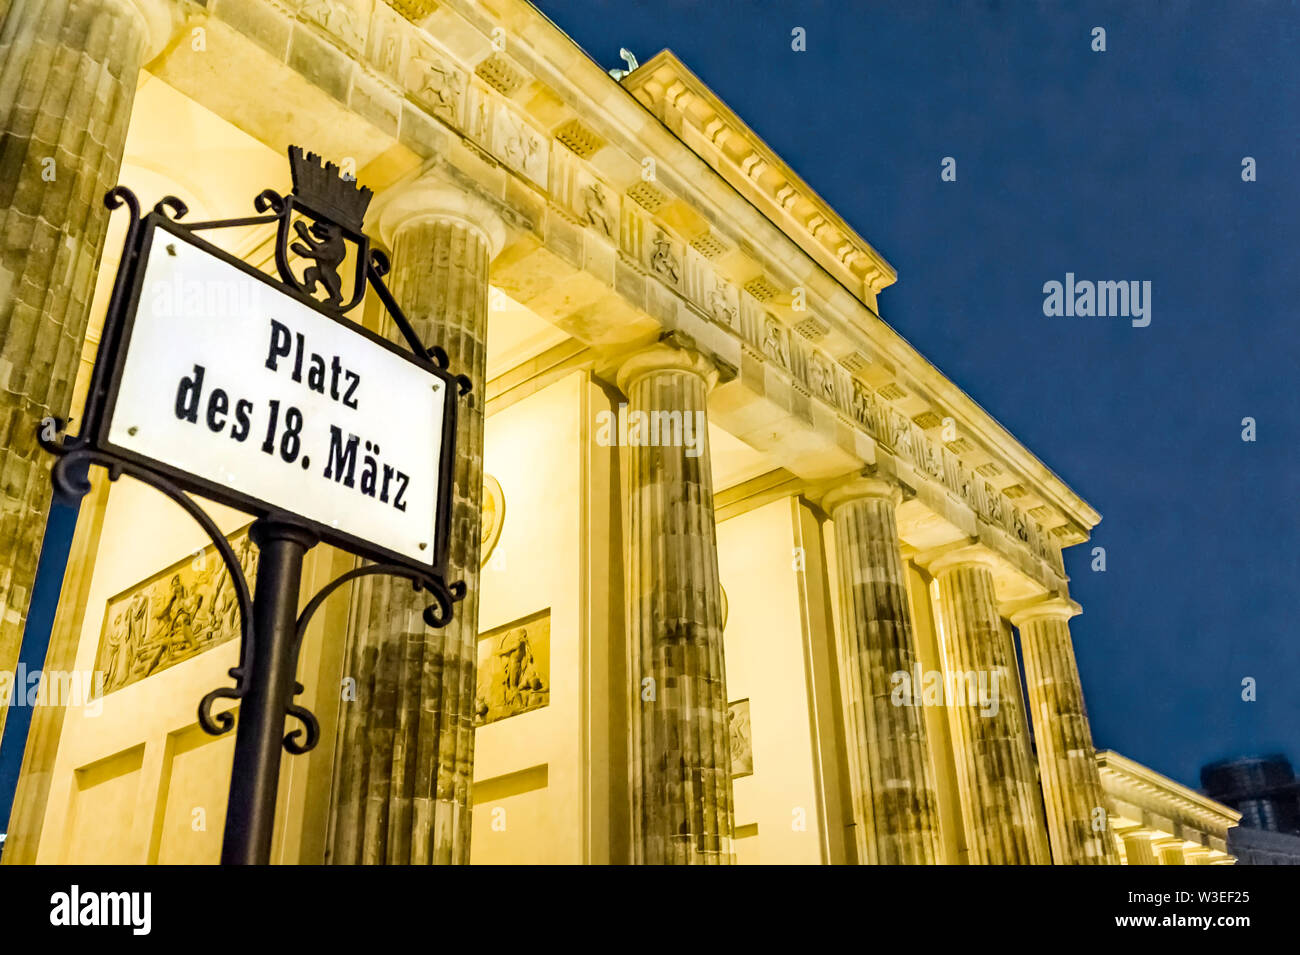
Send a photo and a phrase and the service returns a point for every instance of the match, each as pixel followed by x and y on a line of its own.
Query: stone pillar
pixel 1138 849
pixel 895 805
pixel 681 758
pixel 1067 763
pixel 1170 850
pixel 68 75
pixel 999 788
pixel 406 744
pixel 1196 854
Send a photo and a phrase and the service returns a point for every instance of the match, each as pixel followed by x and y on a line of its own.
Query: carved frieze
pixel 436 83
pixel 520 146
pixel 776 341
pixel 345 20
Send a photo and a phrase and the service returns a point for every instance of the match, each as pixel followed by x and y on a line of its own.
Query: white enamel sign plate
pixel 239 384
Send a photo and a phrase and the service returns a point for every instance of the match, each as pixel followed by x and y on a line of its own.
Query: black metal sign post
pixel 320 221
pixel 255 778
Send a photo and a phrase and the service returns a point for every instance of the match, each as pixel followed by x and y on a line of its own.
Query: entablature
pixel 620 232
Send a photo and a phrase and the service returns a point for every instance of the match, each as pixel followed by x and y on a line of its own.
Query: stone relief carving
pixel 436 84
pixel 387 41
pixel 721 303
pixel 514 669
pixel 993 498
pixel 900 436
pixel 520 146
pixel 343 19
pixel 173 616
pixel 775 342
pixel 931 463
pixel 1018 522
pixel 822 379
pixel 662 260
pixel 741 739
pixel 596 208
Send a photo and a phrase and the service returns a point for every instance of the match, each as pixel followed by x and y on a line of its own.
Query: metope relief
pixel 776 342
pixel 436 84
pixel 521 147
pixel 664 257
pixel 173 616
pixel 345 20
pixel 514 669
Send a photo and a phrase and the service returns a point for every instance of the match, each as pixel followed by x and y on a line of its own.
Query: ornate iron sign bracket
pixel 320 221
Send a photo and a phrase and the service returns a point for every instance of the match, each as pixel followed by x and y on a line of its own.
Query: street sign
pixel 254 397
pixel 258 392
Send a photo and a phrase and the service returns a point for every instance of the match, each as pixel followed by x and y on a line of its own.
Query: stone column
pixel 1067 764
pixel 68 75
pixel 895 806
pixel 406 744
pixel 1170 850
pixel 681 760
pixel 1138 849
pixel 1196 854
pixel 999 791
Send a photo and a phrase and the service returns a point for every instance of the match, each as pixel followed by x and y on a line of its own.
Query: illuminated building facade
pixel 749 579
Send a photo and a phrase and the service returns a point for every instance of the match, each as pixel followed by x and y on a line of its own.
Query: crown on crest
pixel 324 188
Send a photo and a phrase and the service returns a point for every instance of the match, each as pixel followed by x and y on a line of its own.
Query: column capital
pixel 1050 606
pixel 674 351
pixel 860 486
pixel 159 21
pixel 430 197
pixel 940 560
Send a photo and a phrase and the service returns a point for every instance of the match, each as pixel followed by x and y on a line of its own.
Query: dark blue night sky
pixel 1117 165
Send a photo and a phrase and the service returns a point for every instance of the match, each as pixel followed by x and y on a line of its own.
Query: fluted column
pixel 681 759
pixel 68 75
pixel 1138 849
pixel 1170 850
pixel 895 806
pixel 999 791
pixel 1067 763
pixel 406 744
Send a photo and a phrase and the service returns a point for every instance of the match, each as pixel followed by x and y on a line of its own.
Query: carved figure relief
pixel 436 84
pixel 900 432
pixel 520 146
pixel 340 18
pixel 741 739
pixel 820 378
pixel 720 305
pixel 514 669
pixel 595 208
pixel 775 345
pixel 173 616
pixel 662 260
pixel 993 498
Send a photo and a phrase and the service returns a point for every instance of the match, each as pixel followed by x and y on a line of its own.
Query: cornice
pixel 1164 794
pixel 676 95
